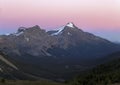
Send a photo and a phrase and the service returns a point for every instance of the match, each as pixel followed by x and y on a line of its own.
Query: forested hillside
pixel 104 74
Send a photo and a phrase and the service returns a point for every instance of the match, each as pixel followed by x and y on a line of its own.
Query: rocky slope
pixel 55 54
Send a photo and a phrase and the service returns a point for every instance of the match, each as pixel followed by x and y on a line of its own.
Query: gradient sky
pixel 101 17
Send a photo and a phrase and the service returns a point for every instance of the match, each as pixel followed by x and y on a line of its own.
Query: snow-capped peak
pixel 70 25
pixel 21 29
pixel 60 30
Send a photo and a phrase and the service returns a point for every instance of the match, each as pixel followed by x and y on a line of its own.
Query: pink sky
pixel 90 15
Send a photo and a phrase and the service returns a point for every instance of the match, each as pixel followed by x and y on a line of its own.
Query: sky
pixel 101 17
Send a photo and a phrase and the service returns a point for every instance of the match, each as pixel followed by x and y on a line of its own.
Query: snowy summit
pixel 59 31
pixel 70 25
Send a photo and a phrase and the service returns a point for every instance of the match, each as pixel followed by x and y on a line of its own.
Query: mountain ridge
pixel 56 56
pixel 70 36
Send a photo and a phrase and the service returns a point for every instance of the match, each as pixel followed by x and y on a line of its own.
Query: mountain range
pixel 56 54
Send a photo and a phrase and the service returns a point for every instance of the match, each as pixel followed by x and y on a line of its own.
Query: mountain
pixel 75 42
pixel 56 54
pixel 107 73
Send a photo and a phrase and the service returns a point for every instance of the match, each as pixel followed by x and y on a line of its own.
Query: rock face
pixel 73 41
pixel 67 46
pixel 66 42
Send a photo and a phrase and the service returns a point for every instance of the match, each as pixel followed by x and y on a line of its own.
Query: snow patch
pixel 69 33
pixel 7 34
pixel 59 31
pixel 19 33
pixel 27 39
pixel 70 25
pixel 21 29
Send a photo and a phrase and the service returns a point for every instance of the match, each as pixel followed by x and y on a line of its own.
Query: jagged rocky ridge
pixel 57 53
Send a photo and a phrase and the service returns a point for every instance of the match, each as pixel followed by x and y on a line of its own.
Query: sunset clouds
pixel 91 15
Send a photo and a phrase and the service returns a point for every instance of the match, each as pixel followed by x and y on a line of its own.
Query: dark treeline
pixel 104 74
